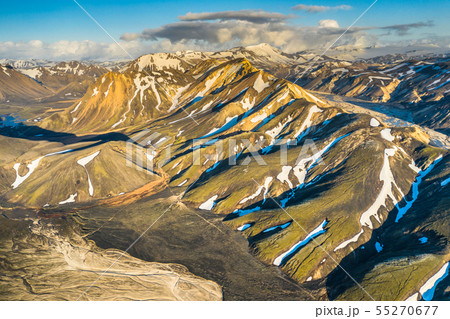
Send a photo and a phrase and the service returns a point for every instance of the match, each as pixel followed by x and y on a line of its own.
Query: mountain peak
pixel 263 49
pixel 262 46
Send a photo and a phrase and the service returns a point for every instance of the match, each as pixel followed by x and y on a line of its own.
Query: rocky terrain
pixel 44 260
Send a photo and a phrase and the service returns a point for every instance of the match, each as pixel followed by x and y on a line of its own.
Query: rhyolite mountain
pixel 17 87
pixel 244 162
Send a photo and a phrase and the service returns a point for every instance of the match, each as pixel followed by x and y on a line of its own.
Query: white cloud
pixel 287 39
pixel 328 24
pixel 216 35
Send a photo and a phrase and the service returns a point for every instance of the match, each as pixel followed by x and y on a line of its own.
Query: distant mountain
pixel 34 63
pixel 409 81
pixel 27 64
pixel 67 80
pixel 17 87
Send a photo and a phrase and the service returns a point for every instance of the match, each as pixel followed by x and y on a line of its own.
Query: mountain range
pixel 321 179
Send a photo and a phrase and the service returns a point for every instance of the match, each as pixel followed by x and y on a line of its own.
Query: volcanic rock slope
pixel 17 87
pixel 335 199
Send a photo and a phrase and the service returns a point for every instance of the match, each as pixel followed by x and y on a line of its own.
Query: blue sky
pixel 53 21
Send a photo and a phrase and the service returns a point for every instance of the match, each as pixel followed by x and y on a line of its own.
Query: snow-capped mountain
pixel 67 80
pixel 27 64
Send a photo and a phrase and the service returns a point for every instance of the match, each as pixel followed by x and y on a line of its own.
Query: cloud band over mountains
pixel 213 31
pixel 217 30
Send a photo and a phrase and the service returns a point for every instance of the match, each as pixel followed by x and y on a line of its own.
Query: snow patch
pixel 415 190
pixel 386 134
pixel 304 129
pixel 266 185
pixel 374 122
pixel 243 227
pixel 413 297
pixel 182 183
pixel 32 73
pixel 316 232
pixel 259 117
pixel 259 84
pixel 247 104
pixel 354 239
pixel 209 204
pixel 71 199
pixel 107 91
pixel 76 107
pixel 283 226
pixel 428 289
pixel 387 178
pixel 284 175
pixel 344 70
pixel 414 167
pixel 31 167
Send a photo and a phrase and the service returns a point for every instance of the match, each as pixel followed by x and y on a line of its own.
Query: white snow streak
pixel 31 167
pixel 83 162
pixel 304 129
pixel 386 191
pixel 428 289
pixel 266 185
pixel 317 231
pixel 415 190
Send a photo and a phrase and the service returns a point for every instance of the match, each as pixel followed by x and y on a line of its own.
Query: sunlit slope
pixel 64 175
